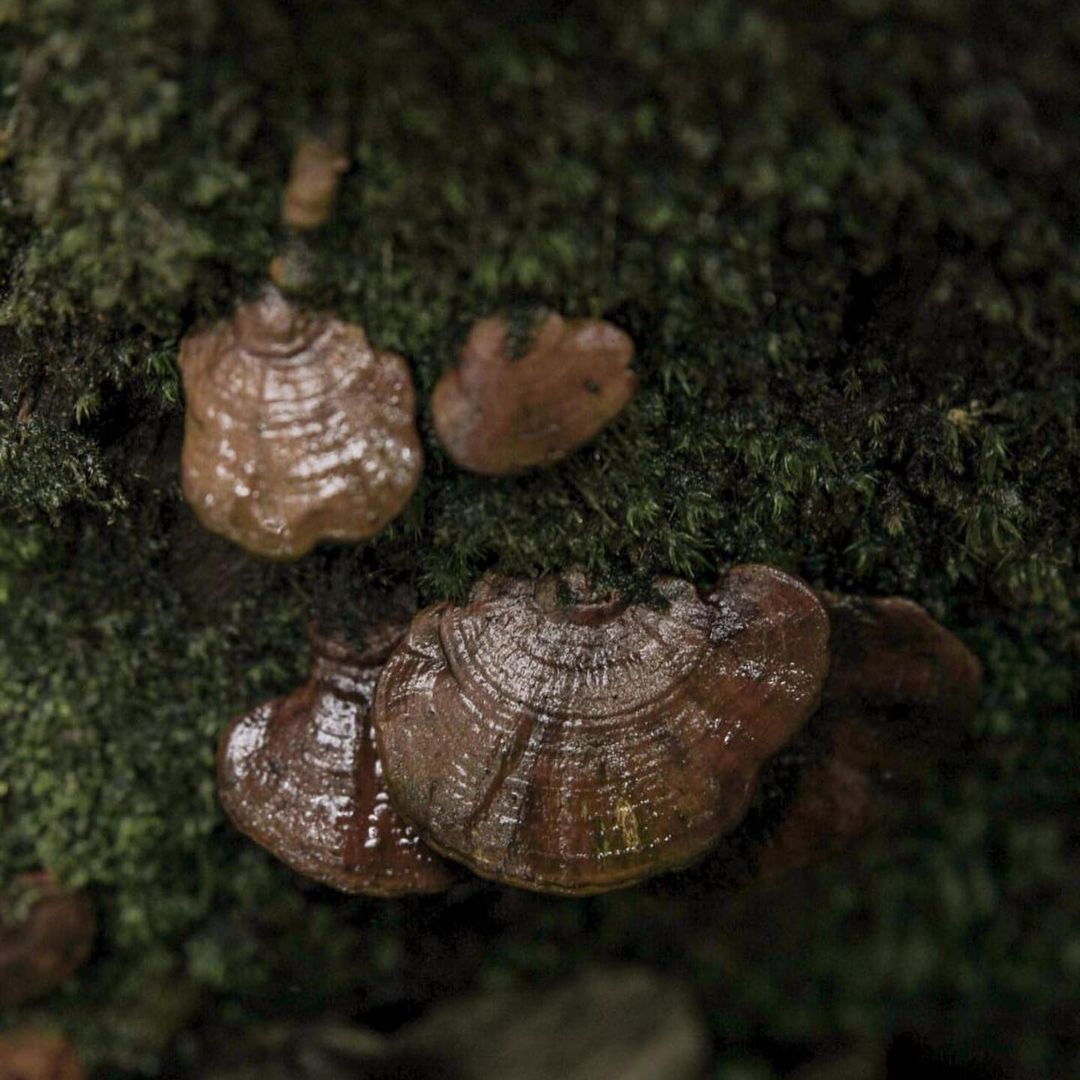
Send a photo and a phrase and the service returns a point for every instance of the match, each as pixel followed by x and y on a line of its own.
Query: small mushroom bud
pixel 317 167
pixel 296 429
pixel 497 413
pixel 46 934
pixel 583 746
pixel 38 1055
pixel 302 777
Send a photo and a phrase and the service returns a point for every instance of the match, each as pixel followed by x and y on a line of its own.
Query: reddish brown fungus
pixel 899 693
pixel 581 747
pixel 296 429
pixel 834 804
pixel 38 1055
pixel 901 674
pixel 497 414
pixel 301 776
pixel 46 934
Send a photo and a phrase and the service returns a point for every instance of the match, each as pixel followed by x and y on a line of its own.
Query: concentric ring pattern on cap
pixel 578 747
pixel 296 429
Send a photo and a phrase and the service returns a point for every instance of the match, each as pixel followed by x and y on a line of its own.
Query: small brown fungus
pixel 900 674
pixel 497 414
pixel 317 167
pixel 583 746
pixel 301 776
pixel 834 804
pixel 46 934
pixel 899 693
pixel 296 429
pixel 38 1055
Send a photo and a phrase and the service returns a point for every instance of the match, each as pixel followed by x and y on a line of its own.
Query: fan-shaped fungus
pixel 301 776
pixel 498 414
pixel 899 692
pixel 42 946
pixel 296 430
pixel 834 804
pixel 584 746
pixel 38 1055
pixel 900 670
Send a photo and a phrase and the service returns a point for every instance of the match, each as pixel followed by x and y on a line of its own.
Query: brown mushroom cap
pixel 301 776
pixel 41 951
pixel 38 1055
pixel 496 414
pixel 901 673
pixel 316 172
pixel 296 430
pixel 899 692
pixel 583 747
pixel 834 804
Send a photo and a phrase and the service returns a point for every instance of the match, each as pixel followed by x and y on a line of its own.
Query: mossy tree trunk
pixel 846 241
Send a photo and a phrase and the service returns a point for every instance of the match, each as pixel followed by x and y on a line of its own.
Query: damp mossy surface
pixel 847 247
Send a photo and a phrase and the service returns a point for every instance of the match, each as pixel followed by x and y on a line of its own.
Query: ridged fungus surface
pixel 496 413
pixel 566 743
pixel 301 776
pixel 296 429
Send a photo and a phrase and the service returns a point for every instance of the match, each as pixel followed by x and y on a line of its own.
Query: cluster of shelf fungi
pixel 542 735
pixel 557 740
pixel 546 734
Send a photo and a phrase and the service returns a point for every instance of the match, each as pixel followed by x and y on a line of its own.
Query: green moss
pixel 842 246
pixel 46 469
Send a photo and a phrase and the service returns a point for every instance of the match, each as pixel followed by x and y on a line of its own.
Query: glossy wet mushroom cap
pixel 496 412
pixel 301 776
pixel 583 746
pixel 296 429
pixel 46 934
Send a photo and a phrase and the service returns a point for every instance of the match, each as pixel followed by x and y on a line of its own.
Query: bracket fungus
pixel 38 1055
pixel 902 671
pixel 834 803
pixel 497 414
pixel 899 693
pixel 46 934
pixel 296 429
pixel 574 748
pixel 301 776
